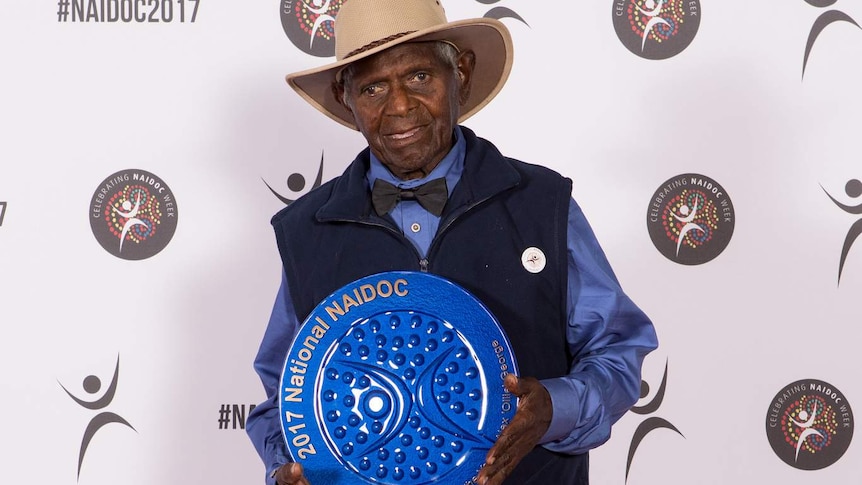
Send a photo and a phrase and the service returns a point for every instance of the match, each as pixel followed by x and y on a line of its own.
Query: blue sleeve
pixel 608 335
pixel 264 422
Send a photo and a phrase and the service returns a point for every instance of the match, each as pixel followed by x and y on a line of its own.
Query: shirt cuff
pixel 278 458
pixel 270 475
pixel 565 407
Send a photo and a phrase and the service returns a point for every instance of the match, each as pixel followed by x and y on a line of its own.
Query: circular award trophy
pixel 396 378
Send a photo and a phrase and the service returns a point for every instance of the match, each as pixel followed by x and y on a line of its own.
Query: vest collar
pixel 486 174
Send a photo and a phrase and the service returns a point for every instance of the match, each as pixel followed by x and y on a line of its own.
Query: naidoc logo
pixel 93 385
pixel 656 29
pixel 690 219
pixel 853 189
pixel 501 13
pixel 651 423
pixel 133 214
pixel 809 424
pixel 296 182
pixel 825 19
pixel 310 24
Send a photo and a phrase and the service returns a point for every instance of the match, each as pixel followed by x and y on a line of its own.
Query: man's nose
pixel 400 101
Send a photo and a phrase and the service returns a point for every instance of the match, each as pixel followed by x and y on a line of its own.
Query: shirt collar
pixel 450 168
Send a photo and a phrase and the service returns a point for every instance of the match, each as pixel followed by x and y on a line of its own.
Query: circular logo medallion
pixel 310 25
pixel 656 29
pixel 533 260
pixel 133 214
pixel 396 378
pixel 809 424
pixel 690 219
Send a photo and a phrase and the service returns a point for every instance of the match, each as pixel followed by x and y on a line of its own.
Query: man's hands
pixel 290 474
pixel 530 423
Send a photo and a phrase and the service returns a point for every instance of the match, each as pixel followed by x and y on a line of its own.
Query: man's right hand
pixel 290 474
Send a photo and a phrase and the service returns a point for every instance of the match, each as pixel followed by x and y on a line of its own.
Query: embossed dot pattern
pixel 402 398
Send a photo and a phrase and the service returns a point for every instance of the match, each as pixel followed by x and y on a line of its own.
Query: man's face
pixel 406 102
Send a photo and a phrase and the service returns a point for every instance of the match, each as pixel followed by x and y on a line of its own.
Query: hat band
pixel 376 43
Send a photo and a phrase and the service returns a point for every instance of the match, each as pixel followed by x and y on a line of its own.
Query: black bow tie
pixel 431 195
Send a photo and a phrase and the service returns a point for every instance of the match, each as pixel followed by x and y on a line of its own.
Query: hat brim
pixel 488 38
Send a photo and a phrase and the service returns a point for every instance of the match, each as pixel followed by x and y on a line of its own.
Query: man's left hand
pixel 520 436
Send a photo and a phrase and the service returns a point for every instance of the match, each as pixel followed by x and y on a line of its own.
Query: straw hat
pixel 365 27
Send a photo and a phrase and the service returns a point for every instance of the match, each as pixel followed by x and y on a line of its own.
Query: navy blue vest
pixel 500 207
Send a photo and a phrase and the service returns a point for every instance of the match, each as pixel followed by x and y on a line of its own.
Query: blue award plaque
pixel 396 378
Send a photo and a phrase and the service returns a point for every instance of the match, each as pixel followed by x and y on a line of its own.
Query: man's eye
pixel 421 76
pixel 372 90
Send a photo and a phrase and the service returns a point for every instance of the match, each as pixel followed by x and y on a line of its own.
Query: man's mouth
pixel 404 134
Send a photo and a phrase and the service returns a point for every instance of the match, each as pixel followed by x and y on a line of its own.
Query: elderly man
pixel 508 232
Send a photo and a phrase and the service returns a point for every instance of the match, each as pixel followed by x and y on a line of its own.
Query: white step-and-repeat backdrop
pixel 714 146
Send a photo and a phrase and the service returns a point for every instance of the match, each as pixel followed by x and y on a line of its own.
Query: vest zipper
pixel 423 262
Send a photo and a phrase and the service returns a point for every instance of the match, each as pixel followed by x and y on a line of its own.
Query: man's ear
pixel 338 92
pixel 466 65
